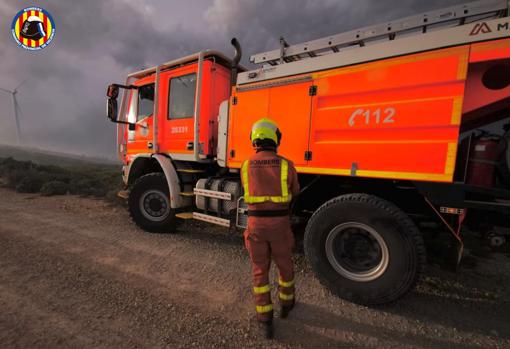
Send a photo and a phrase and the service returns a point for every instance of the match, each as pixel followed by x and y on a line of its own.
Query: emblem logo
pixel 480 28
pixel 33 28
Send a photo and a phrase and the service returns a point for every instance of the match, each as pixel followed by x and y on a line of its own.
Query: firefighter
pixel 269 183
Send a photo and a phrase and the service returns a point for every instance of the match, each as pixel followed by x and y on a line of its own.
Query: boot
pixel 266 329
pixel 285 310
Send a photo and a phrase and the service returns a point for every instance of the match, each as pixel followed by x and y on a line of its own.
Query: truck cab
pixel 173 108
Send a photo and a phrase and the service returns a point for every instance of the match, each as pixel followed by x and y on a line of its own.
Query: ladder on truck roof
pixel 414 25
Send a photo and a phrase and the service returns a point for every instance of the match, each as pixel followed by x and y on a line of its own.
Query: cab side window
pixel 145 101
pixel 182 97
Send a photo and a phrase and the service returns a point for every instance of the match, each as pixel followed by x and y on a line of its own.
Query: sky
pixel 98 42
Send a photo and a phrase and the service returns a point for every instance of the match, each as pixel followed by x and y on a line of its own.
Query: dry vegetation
pixel 85 180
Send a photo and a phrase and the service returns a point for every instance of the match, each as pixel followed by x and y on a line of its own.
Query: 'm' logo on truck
pixel 484 28
pixel 481 28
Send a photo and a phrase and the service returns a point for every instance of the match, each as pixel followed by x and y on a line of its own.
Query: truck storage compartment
pixel 398 118
pixel 487 97
pixel 287 102
pixel 484 154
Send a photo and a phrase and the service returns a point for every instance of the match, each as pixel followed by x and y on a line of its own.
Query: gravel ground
pixel 75 272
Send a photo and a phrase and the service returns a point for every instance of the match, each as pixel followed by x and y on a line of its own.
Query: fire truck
pixel 391 128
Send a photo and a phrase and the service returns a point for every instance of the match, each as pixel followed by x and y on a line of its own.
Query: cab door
pixel 140 112
pixel 177 94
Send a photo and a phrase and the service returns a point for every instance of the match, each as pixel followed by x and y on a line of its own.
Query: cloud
pixel 98 42
pixel 259 24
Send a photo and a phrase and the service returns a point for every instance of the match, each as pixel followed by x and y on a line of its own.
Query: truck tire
pixel 149 204
pixel 364 249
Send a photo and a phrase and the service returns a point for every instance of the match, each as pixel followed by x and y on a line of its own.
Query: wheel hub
pixel 154 205
pixel 357 251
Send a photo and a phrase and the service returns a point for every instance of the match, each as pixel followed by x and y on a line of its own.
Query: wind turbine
pixel 16 108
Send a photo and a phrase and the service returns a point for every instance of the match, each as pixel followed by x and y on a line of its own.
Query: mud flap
pixel 454 258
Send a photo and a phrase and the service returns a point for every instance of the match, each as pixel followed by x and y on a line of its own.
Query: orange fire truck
pixel 390 128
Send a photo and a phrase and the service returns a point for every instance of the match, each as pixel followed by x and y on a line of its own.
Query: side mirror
pixel 113 91
pixel 111 109
pixel 111 106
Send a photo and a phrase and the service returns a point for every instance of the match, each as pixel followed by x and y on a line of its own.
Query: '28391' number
pixel 377 116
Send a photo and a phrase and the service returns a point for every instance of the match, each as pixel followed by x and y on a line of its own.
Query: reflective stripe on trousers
pixel 261 309
pixel 286 291
pixel 260 255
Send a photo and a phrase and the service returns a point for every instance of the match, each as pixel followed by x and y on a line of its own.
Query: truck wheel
pixel 364 249
pixel 149 204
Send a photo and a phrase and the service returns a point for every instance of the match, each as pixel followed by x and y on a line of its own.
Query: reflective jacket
pixel 269 182
pixel 269 179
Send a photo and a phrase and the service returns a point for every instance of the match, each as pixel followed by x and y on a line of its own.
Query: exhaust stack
pixel 235 61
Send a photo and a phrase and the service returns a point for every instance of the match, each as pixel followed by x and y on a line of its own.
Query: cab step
pixel 211 219
pixel 123 194
pixel 203 217
pixel 187 193
pixel 184 215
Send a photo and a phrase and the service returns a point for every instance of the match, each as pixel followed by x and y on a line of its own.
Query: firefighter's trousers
pixel 261 251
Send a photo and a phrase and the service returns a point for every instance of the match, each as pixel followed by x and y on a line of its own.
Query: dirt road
pixel 75 272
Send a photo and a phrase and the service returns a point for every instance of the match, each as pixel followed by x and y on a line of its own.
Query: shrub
pixel 87 186
pixel 9 164
pixel 87 180
pixel 54 188
pixel 30 183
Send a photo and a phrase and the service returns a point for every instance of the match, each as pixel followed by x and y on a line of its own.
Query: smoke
pixel 99 42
